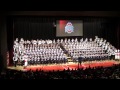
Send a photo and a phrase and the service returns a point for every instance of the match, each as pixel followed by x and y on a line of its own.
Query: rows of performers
pixel 91 57
pixel 97 49
pixel 44 59
pixel 39 54
pixel 50 51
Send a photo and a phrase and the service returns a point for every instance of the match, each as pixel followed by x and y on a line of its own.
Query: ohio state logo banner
pixel 69 28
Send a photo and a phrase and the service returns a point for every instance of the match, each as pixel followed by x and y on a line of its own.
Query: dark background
pixel 41 25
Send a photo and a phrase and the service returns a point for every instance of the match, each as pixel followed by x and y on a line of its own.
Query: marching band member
pixel 25 57
pixel 15 59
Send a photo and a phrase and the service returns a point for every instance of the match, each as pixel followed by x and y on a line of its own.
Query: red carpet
pixel 70 66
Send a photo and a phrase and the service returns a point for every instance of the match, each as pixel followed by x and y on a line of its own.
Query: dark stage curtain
pixel 10 39
pixel 33 28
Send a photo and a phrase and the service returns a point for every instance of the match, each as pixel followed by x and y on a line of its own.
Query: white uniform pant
pixel 26 63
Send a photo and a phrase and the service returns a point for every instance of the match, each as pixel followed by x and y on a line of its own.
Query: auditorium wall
pixel 3 42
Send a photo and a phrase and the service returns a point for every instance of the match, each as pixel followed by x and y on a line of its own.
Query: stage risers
pixel 66 53
pixel 69 59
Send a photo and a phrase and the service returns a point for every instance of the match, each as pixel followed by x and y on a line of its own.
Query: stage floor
pixel 70 65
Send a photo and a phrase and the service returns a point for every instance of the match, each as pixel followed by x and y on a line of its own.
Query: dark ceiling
pixel 63 13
